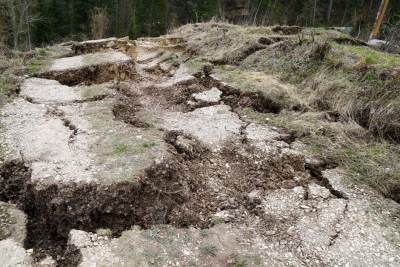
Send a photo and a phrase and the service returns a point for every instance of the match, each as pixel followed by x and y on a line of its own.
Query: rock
pixel 335 178
pixel 13 254
pixel 186 145
pixel 222 217
pixel 46 91
pixel 210 96
pixel 314 163
pixel 47 262
pixel 377 43
pixel 315 191
pixel 254 197
pixel 164 245
pixel 181 76
pixel 212 126
pixel 261 133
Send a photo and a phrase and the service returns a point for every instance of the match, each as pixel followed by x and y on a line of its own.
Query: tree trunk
pixel 256 14
pixel 117 17
pixel 71 16
pixel 14 25
pixel 27 20
pixel 329 13
pixel 314 12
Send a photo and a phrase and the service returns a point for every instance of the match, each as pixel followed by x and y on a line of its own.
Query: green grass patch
pixel 148 145
pixel 376 164
pixel 43 51
pixel 373 57
pixel 39 61
pixel 195 65
pixel 238 262
pixel 121 149
pixel 163 234
pixel 34 67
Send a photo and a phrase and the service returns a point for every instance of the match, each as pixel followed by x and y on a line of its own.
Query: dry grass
pixel 9 83
pixel 98 23
pixel 340 82
pixel 366 160
pixel 330 76
pixel 283 95
pixel 8 88
pixel 330 73
pixel 219 41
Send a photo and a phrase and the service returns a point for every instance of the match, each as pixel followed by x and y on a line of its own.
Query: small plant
pixel 153 232
pixel 34 67
pixel 149 144
pixel 239 263
pixel 204 232
pixel 8 88
pixel 120 149
pixel 209 250
pixel 43 51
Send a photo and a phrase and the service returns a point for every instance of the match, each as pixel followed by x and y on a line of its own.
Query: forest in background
pixel 25 24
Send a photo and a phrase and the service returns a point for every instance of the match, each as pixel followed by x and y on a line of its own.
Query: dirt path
pixel 158 168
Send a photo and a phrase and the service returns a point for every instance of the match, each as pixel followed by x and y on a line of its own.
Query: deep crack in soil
pixel 186 189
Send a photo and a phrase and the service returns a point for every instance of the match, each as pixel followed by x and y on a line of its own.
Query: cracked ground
pixel 130 159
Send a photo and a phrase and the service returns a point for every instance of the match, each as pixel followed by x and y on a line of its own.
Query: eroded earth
pixel 119 155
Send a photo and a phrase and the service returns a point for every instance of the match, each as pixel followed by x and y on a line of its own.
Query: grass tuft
pixel 208 249
pixel 8 88
pixel 121 149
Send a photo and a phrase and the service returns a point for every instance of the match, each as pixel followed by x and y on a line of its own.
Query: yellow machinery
pixel 379 19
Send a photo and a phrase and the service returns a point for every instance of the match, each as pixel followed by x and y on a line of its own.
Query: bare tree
pixel 393 38
pixel 98 23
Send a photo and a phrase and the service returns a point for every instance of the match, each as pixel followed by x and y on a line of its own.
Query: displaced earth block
pixel 90 68
pixel 162 170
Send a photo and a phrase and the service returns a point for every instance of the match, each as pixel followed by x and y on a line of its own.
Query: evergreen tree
pixel 51 21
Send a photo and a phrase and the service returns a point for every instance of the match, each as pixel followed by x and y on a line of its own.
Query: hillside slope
pixel 216 145
pixel 338 95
